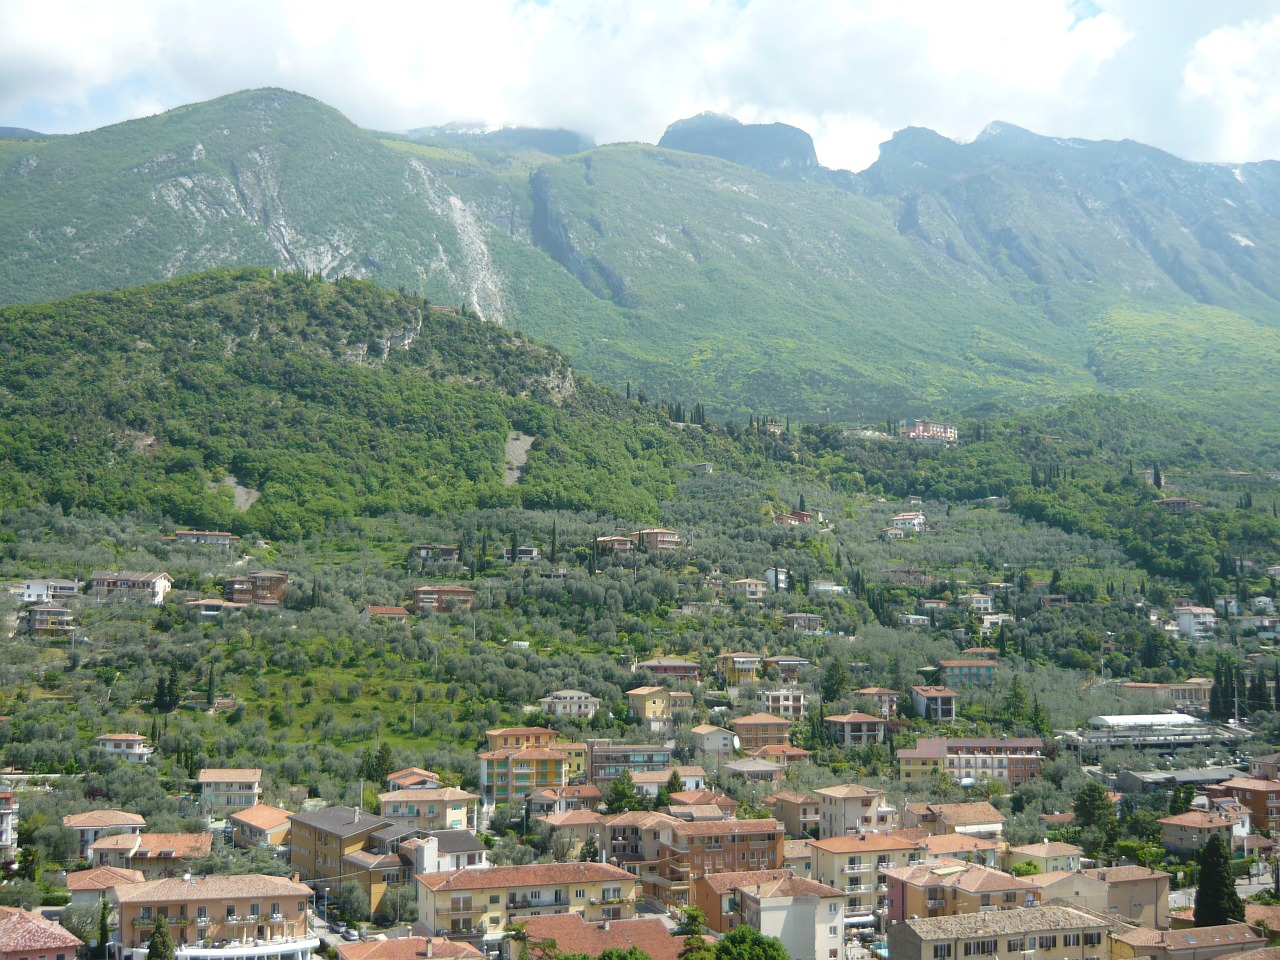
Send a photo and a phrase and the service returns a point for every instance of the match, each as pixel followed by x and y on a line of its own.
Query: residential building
pixel 783 754
pixel 211 607
pixel 206 538
pixel 224 791
pixel 262 588
pixel 657 539
pixel 1195 943
pixel 788 666
pixel 797 812
pixel 606 760
pixel 576 704
pixel 1011 760
pixel 779 578
pixel 825 588
pixel 960 846
pixel 523 554
pixel 1190 694
pixel 154 854
pixel 949 887
pixel 855 729
pixel 616 545
pixel 320 839
pixel 8 824
pixel 788 703
pixel 50 620
pixel 92 824
pixel 975 818
pixel 1196 623
pixel 748 588
pixel 388 614
pixel 655 707
pixel 1265 768
pixel 412 777
pixel 912 520
pixel 928 431
pixel 509 774
pixel 850 808
pixel 551 937
pixel 1073 889
pixel 485 901
pixel 442 850
pixel 576 827
pixel 430 808
pixel 1053 932
pixel 798 858
pixel 92 886
pixel 807 916
pixel 992 622
pixel 690 850
pixel 976 602
pixel 408 948
pixel 261 826
pixel 886 700
pixel 649 782
pixel 436 552
pixel 442 598
pixel 760 730
pixel 672 667
pixel 130 747
pixel 967 673
pixel 856 863
pixel 1260 797
pixel 106 585
pixel 737 668
pixel 1138 893
pixel 27 936
pixel 243 917
pixel 1048 856
pixel 1178 504
pixel 1186 834
pixel 50 591
pixel 934 703
pixel 713 740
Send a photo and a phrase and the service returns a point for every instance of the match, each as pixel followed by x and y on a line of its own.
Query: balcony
pixel 857 888
pixel 287 948
pixel 857 868
pixel 935 904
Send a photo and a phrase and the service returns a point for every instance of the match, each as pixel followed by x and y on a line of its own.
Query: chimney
pixel 429 950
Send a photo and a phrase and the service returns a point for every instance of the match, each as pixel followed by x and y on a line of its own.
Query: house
pixel 485 901
pixel 928 431
pixel 855 729
pixel 748 588
pixel 92 886
pixel 893 533
pixel 788 666
pixel 430 808
pixel 224 791
pixel 1012 760
pixel 1178 505
pixel 92 824
pixel 263 588
pixel 1051 932
pixel 509 774
pixel 130 747
pixel 412 777
pixel 778 579
pixel 819 588
pixel 616 545
pixel 210 607
pixel 851 808
pixel 389 614
pixel 557 935
pixel 26 936
pixel 914 621
pixel 120 585
pixel 783 754
pixel 934 703
pixel 576 704
pixel 261 826
pixel 1260 797
pixel 1048 856
pixel 787 703
pixel 761 729
pixel 967 673
pixel 655 707
pixel 576 827
pixel 807 916
pixel 1186 834
pixel 976 818
pixel 856 863
pixel 1138 893
pixel 657 539
pixel 155 854
pixel 670 667
pixel 407 948
pixel 992 622
pixel 797 812
pixel 205 538
pixel 50 620
pixel 1266 767
pixel 320 839
pixel 243 917
pixel 886 700
pixel 650 782
pixel 976 602
pixel 582 796
pixel 1071 888
pixel 959 846
pixel 441 850
pixel 1195 943
pixel 688 850
pixel 442 598
pixel 949 887
pixel 1196 623
pixel 436 552
pixel 754 771
pixel 710 739
pixel 1190 694
pixel 913 521
pixel 803 622
pixel 50 591
pixel 739 668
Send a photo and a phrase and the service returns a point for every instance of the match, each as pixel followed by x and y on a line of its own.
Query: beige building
pixel 850 808
pixel 92 824
pixel 1048 856
pixel 977 818
pixel 577 827
pixel 155 854
pixel 224 917
pixel 713 740
pixel 430 808
pixel 787 702
pixel 948 887
pixel 224 791
pixel 655 706
pixel 807 916
pixel 577 704
pixel 855 864
pixel 761 730
pixel 886 700
pixel 1187 833
pixel 856 729
pixel 92 886
pixel 1195 943
pixel 1052 932
pixel 486 900
pixel 1138 893
pixel 797 812
pixel 261 826
pixel 320 839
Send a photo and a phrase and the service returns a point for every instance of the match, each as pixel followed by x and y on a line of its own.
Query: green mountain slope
pixel 319 400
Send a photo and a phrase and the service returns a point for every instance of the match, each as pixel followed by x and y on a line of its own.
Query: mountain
pixel 1006 272
pixel 254 400
pixel 557 143
pixel 18 133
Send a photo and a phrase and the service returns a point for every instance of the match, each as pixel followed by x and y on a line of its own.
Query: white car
pixel 351 934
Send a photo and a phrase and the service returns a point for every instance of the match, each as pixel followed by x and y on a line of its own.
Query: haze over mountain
pixel 1011 270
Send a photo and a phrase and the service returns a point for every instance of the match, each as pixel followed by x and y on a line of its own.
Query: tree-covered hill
pixel 319 400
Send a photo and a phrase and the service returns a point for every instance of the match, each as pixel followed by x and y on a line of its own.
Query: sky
pixel 1197 78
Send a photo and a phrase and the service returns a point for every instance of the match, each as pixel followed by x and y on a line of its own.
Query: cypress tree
pixel 1216 899
pixel 161 945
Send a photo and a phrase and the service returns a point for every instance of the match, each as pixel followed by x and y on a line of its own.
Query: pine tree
pixel 621 795
pixel 159 703
pixel 161 945
pixel 1216 899
pixel 175 690
pixel 590 850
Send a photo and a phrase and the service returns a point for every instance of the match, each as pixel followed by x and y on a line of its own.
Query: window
pixel 1093 938
pixel 833 931
pixel 1011 897
pixel 231 910
pixel 202 913
pixel 1049 942
pixel 255 909
pixel 1071 939
pixel 979 948
pixel 1016 946
pixel 942 950
pixel 495 898
pixel 145 914
pixel 579 894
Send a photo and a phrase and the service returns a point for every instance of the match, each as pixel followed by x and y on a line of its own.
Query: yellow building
pixel 439 808
pixel 948 887
pixel 856 865
pixel 486 900
pixel 655 706
pixel 739 668
pixel 320 839
pixel 1052 932
pixel 261 826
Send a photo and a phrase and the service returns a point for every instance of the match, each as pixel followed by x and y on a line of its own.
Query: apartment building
pixel 934 703
pixel 1138 893
pixel 968 673
pixel 523 760
pixel 263 588
pixel 738 668
pixel 885 700
pixel 156 855
pixel 1260 797
pixel 224 790
pixel 710 739
pixel 577 704
pixel 130 747
pixel 1052 932
pixel 9 823
pixel 606 760
pixel 50 620
pixel 672 667
pixel 319 839
pixel 92 824
pixel 548 938
pixel 1048 856
pixel 655 707
pixel 442 598
pixel 788 665
pixel 261 826
pixel 788 702
pixel 657 539
pixel 851 808
pixel 1011 760
pixel 852 730
pixel 691 850
pixel 27 935
pixel 855 864
pixel 797 812
pixel 761 730
pixel 123 585
pixel 1196 943
pixel 949 886
pixel 482 902
pixel 976 818
pixel 430 808
pixel 244 917
pixel 1186 834
pixel 807 916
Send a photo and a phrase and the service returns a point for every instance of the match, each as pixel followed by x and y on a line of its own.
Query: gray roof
pixel 340 821
pixel 1002 923
pixel 457 841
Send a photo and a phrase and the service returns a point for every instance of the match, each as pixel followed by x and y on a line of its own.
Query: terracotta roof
pixel 153 845
pixel 948 872
pixel 369 860
pixel 791 849
pixel 1199 819
pixel 102 878
pixel 893 840
pixel 793 886
pixel 1251 783
pixel 1190 938
pixel 428 793
pixel 518 731
pixel 573 818
pixel 693 797
pixel 1125 874
pixel 724 827
pixel 725 882
pixel 376 611
pixel 644 691
pixel 122 737
pixel 979 811
pixel 784 750
pixel 952 843
pixel 261 815
pixel 790 796
pixel 229 775
pixel 102 819
pixel 523 753
pixel 528 875
pixel 1052 848
pixel 177 890
pixel 1003 923
pixel 705 728
pixel 872 691
pixel 760 718
pixel 573 935
pixel 854 717
pixel 843 791
pixel 407 948
pixel 22 932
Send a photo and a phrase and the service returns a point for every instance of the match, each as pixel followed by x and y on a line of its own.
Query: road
pixel 1245 887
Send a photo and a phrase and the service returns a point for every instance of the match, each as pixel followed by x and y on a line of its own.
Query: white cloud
pixel 849 72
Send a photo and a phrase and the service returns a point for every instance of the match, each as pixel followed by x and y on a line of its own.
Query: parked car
pixel 351 934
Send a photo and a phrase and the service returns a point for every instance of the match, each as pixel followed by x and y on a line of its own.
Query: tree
pixel 747 943
pixel 835 680
pixel 355 902
pixel 691 922
pixel 161 945
pixel 79 919
pixel 399 903
pixel 1096 816
pixel 1024 868
pixel 104 929
pixel 622 795
pixel 589 852
pixel 1216 899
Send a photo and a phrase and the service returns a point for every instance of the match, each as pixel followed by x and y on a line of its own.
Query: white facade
pixel 125 746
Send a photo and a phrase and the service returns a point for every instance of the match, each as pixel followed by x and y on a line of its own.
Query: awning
pixel 867 921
